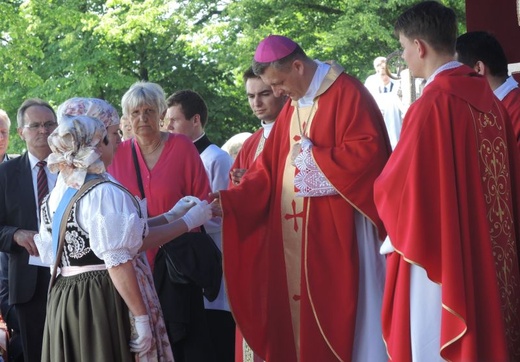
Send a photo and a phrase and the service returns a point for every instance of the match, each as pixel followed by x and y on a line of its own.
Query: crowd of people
pixel 345 234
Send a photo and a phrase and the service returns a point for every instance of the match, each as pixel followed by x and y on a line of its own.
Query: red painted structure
pixel 499 17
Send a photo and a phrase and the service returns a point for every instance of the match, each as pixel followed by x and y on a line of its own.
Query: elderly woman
pixel 101 279
pixel 170 168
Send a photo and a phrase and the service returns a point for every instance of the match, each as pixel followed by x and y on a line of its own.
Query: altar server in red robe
pixel 300 232
pixel 266 107
pixel 449 199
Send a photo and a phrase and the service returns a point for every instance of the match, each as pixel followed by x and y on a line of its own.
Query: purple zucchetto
pixel 273 48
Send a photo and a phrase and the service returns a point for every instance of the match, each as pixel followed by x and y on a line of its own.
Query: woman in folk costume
pixel 102 306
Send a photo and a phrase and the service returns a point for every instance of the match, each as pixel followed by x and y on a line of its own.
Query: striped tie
pixel 41 180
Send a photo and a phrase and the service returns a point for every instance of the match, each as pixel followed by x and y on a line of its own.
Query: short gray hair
pixel 5 117
pixel 144 93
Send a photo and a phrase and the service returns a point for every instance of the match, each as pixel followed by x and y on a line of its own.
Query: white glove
pixel 181 207
pixel 198 215
pixel 142 340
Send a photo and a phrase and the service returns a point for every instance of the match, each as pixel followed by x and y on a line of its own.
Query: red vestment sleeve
pixel 246 155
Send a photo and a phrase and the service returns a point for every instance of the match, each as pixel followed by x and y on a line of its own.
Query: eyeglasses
pixel 35 126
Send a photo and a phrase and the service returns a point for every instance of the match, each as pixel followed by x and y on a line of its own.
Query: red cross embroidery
pixel 294 215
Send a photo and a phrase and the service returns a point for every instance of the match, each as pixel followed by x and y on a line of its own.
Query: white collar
pixel 267 128
pixel 449 65
pixel 198 138
pixel 506 87
pixel 317 79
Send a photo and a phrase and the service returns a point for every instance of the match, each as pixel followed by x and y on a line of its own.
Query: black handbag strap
pixel 140 181
pixel 137 170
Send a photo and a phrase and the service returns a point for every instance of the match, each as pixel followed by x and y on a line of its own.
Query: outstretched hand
pixel 216 208
pixel 181 208
pixel 198 215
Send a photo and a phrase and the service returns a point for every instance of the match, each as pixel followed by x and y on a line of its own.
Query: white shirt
pixel 506 87
pixel 51 179
pixel 108 215
pixel 217 164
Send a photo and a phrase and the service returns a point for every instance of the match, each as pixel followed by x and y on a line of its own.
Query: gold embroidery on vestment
pixel 260 147
pixel 494 163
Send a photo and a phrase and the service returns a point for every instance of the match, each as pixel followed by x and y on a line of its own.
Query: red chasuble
pixel 512 104
pixel 449 198
pixel 350 148
pixel 245 158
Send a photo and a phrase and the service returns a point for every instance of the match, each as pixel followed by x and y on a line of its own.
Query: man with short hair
pixel 385 91
pixel 266 107
pixel 187 114
pixel 449 198
pixel 24 181
pixel 482 51
pixel 380 82
pixel 301 232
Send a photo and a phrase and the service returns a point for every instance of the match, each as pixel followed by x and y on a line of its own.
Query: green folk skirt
pixel 87 320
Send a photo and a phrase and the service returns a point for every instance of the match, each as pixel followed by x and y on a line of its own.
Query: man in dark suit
pixel 19 219
pixel 8 311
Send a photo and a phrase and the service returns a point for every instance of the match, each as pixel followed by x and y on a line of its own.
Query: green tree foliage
pixel 57 49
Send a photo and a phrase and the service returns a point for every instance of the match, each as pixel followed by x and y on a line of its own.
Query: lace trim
pixel 309 180
pixel 116 257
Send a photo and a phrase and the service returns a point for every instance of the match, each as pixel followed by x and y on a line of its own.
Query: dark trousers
pixel 31 318
pixel 221 327
pixel 14 349
pixel 189 336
